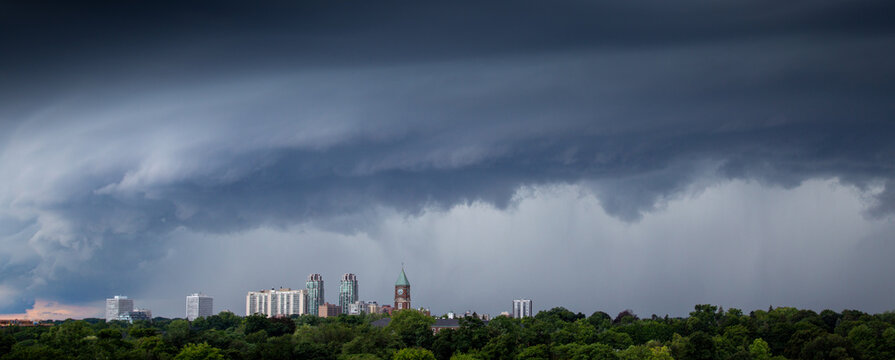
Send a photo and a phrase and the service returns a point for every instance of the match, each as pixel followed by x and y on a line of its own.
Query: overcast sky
pixel 648 155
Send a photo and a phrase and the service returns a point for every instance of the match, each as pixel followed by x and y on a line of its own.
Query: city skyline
pixel 592 155
pixel 273 302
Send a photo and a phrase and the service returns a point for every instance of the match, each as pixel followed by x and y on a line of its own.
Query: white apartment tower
pixel 521 308
pixel 118 306
pixel 273 302
pixel 198 305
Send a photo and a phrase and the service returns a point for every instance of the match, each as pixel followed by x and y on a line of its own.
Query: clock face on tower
pixel 400 291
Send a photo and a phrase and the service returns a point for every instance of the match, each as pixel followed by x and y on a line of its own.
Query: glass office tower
pixel 347 291
pixel 315 294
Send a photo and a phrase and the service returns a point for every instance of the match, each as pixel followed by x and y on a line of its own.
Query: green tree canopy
pixel 412 328
pixel 414 354
pixel 199 352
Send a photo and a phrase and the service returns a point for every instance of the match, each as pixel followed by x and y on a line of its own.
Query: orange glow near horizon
pixel 53 310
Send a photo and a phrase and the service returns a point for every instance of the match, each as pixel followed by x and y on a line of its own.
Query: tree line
pixel 709 332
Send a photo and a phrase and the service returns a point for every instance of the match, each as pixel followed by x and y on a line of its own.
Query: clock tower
pixel 402 292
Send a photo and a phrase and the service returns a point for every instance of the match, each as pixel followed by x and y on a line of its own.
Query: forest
pixel 709 332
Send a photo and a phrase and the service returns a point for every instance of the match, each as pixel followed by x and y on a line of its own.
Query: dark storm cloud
pixel 145 40
pixel 124 122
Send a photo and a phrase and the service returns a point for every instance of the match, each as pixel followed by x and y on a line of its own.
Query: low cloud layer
pixel 110 164
pixel 739 244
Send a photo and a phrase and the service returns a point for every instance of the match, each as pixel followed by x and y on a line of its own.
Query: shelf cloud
pixel 132 128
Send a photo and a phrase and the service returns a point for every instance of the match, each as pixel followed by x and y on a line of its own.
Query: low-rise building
pixel 373 308
pixel 328 310
pixel 440 324
pixel 474 314
pixel 357 308
pixel 25 322
pixel 136 314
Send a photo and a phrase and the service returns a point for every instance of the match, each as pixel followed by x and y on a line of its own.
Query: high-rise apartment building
pixel 402 292
pixel 117 306
pixel 198 305
pixel 521 308
pixel 347 291
pixel 273 302
pixel 258 302
pixel 315 293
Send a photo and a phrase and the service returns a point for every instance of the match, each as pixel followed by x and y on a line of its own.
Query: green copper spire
pixel 402 279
